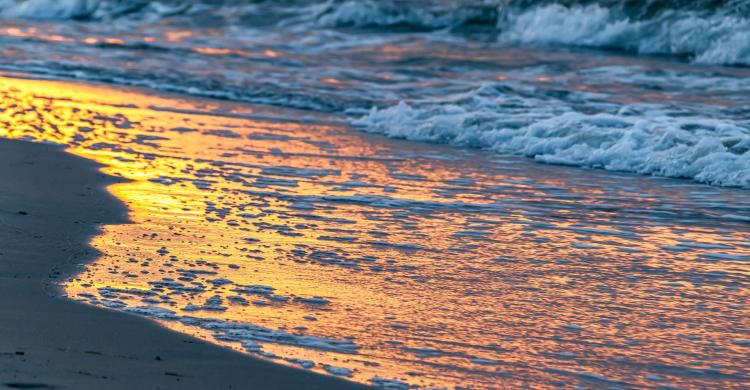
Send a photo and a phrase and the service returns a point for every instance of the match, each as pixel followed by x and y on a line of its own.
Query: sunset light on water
pixel 388 194
pixel 291 236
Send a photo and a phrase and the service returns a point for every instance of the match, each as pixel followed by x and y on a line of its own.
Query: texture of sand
pixel 50 204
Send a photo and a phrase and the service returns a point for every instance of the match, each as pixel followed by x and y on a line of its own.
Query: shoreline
pixel 338 247
pixel 52 206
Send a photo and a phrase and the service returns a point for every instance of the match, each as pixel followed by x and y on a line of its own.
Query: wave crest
pixel 715 38
pixel 706 31
pixel 633 139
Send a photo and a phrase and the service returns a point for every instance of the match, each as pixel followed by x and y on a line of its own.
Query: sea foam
pixel 643 139
pixel 702 31
pixel 712 38
pixel 704 35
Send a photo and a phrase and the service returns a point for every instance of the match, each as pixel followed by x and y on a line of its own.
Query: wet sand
pixel 50 204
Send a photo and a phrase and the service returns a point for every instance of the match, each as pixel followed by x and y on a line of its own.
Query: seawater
pixel 277 209
pixel 516 77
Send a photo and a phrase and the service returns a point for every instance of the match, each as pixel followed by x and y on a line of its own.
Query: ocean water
pixel 433 194
pixel 519 78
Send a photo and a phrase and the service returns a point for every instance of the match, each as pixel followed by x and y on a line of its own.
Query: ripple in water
pixel 292 237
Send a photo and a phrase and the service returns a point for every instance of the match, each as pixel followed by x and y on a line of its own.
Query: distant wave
pixel 42 9
pixel 424 16
pixel 636 139
pixel 710 38
pixel 704 31
pixel 91 9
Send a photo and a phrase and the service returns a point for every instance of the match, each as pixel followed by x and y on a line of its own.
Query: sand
pixel 50 205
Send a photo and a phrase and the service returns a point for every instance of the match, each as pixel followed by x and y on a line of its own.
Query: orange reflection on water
pixel 33 33
pixel 311 244
pixel 177 36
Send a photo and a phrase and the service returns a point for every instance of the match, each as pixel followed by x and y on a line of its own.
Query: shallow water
pixel 288 218
pixel 293 237
pixel 478 73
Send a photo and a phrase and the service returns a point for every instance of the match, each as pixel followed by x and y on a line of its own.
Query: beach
pixel 442 194
pixel 301 241
pixel 52 204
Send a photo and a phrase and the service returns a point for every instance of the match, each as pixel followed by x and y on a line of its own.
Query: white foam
pixel 389 384
pixel 644 139
pixel 713 38
pixel 248 335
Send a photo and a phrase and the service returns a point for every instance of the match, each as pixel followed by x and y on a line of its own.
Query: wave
pixel 705 31
pixel 264 93
pixel 428 16
pixel 41 9
pixel 710 32
pixel 641 139
pixel 701 30
pixel 91 9
pixel 710 38
pixel 654 139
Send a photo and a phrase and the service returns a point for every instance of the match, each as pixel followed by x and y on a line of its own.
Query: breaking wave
pixel 698 31
pixel 710 38
pixel 641 139
pixel 704 31
pixel 345 56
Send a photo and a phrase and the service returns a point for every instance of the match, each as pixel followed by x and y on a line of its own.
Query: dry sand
pixel 50 204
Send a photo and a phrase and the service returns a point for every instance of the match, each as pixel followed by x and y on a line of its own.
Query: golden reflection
pixel 34 33
pixel 314 245
pixel 213 50
pixel 177 36
pixel 272 53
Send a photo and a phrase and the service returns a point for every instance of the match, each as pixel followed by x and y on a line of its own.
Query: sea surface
pixel 430 194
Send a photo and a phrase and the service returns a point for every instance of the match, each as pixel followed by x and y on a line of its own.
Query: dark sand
pixel 50 204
